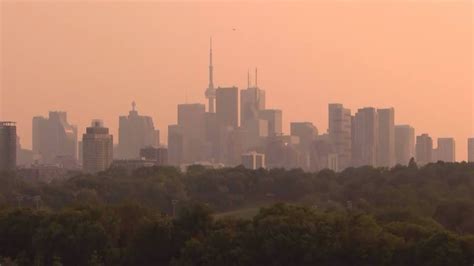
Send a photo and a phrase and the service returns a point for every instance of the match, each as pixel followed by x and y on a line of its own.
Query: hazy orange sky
pixel 93 58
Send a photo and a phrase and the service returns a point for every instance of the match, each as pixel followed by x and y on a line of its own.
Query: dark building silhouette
pixel 227 107
pixel 424 149
pixel 97 146
pixel 8 146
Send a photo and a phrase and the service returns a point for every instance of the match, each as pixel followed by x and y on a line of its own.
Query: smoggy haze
pixel 93 59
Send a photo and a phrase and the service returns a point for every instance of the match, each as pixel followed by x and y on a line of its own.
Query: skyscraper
pixel 252 100
pixel 446 150
pixel 307 134
pixel 54 137
pixel 340 132
pixel 365 137
pixel 135 132
pixel 470 150
pixel 8 147
pixel 191 118
pixel 211 91
pixel 227 108
pixel 275 123
pixel 424 149
pixel 404 144
pixel 175 145
pixel 97 148
pixel 386 137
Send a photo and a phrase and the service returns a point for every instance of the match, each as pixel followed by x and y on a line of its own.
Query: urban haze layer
pixel 215 137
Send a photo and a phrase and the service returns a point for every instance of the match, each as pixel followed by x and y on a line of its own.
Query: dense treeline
pixel 361 216
pixel 280 235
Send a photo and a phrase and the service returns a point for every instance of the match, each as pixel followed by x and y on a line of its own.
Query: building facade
pixel 424 149
pixel 97 148
pixel 404 144
pixel 386 137
pixel 365 137
pixel 446 150
pixel 340 133
pixel 135 132
pixel 8 146
pixel 54 138
pixel 470 150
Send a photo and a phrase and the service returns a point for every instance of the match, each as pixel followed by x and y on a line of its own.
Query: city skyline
pixel 276 82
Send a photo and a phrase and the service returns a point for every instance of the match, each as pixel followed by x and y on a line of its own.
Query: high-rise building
pixel 386 137
pixel 97 148
pixel 470 150
pixel 191 118
pixel 365 137
pixel 282 152
pixel 446 150
pixel 307 134
pixel 135 132
pixel 404 144
pixel 424 149
pixel 340 133
pixel 323 154
pixel 175 145
pixel 275 121
pixel 252 100
pixel 210 90
pixel 227 108
pixel 8 146
pixel 253 160
pixel 54 138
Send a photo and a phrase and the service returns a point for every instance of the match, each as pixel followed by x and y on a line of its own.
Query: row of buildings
pixel 236 128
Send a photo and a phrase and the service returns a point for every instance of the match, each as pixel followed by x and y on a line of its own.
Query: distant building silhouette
pixel 97 148
pixel 340 133
pixel 275 121
pixel 307 134
pixel 386 137
pixel 191 119
pixel 470 150
pixel 323 154
pixel 424 149
pixel 404 144
pixel 365 137
pixel 8 146
pixel 135 132
pixel 252 100
pixel 445 151
pixel 54 138
pixel 175 145
pixel 227 108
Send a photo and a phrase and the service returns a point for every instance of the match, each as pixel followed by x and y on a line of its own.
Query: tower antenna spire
pixel 210 91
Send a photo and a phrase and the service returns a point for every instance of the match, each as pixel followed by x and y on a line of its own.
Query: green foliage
pixel 361 216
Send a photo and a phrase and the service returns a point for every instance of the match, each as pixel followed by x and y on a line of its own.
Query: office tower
pixel 8 146
pixel 157 154
pixel 256 132
pixel 175 145
pixel 54 137
pixel 227 108
pixel 211 134
pixel 24 157
pixel 235 146
pixel 340 133
pixel 307 133
pixel 252 100
pixel 97 148
pixel 253 160
pixel 424 149
pixel 274 118
pixel 404 144
pixel 210 90
pixel 191 119
pixel 386 137
pixel 446 150
pixel 470 150
pixel 135 132
pixel 365 137
pixel 323 154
